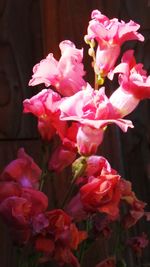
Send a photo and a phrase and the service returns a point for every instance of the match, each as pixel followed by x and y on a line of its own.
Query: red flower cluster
pixel 78 115
pixel 20 201
pixel 58 238
pixel 23 208
pixel 102 191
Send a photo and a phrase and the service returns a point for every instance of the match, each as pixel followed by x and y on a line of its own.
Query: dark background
pixel 28 31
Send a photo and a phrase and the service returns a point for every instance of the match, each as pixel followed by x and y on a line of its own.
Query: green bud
pixel 78 167
pixel 100 80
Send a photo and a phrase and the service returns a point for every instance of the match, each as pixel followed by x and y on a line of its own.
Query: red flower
pixel 9 189
pixel 102 194
pixel 135 206
pixel 18 208
pixel 23 170
pixel 59 238
pixel 44 244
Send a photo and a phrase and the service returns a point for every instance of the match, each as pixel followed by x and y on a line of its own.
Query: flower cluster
pixel 24 209
pixel 78 114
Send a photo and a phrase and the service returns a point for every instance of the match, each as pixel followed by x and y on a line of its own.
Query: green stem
pixel 45 154
pixel 68 194
pixel 78 168
pixel 83 245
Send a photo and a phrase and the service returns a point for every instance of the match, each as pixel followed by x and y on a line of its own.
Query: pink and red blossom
pixel 134 84
pixel 66 75
pixel 59 238
pixel 45 106
pixel 102 194
pixel 93 110
pixel 23 170
pixel 110 34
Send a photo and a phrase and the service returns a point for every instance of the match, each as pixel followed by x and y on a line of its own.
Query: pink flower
pixel 94 112
pixel 66 74
pixel 66 152
pixel 61 158
pixel 45 106
pixel 138 243
pixel 135 213
pixel 9 189
pixel 110 35
pixel 134 84
pixel 88 139
pixel 97 164
pixel 23 171
pixel 18 207
pixel 95 167
pixel 75 209
pixel 93 109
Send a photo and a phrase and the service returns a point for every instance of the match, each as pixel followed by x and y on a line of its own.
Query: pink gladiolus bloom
pixel 110 35
pixel 45 106
pixel 66 74
pixel 92 108
pixel 22 170
pixel 134 84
